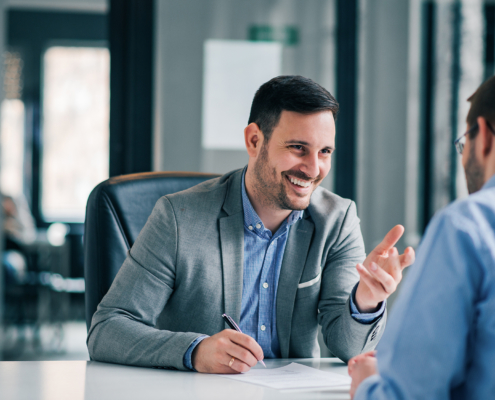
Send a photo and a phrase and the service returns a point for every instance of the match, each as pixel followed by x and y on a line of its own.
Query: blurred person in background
pixel 19 230
pixel 440 343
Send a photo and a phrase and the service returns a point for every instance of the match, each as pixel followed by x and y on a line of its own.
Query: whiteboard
pixel 233 72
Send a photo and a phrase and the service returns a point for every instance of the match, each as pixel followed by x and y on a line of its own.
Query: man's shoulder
pixel 477 210
pixel 324 203
pixel 205 194
pixel 469 223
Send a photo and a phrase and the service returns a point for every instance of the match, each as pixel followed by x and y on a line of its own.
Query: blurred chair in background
pixel 38 285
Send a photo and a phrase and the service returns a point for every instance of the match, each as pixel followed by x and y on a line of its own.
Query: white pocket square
pixel 309 283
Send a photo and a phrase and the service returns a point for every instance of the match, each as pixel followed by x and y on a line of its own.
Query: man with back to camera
pixel 262 244
pixel 440 343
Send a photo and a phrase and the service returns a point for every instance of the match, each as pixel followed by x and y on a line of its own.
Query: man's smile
pixel 300 185
pixel 299 181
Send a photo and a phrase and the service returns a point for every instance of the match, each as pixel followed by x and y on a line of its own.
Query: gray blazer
pixel 185 270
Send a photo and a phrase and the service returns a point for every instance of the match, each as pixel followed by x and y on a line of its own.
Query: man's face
pixel 295 160
pixel 472 167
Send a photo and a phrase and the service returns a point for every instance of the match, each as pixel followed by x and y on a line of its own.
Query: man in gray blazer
pixel 264 245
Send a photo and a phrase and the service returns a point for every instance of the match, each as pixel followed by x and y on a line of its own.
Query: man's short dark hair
pixel 482 105
pixel 290 93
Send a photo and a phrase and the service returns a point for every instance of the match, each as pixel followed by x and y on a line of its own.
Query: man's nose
pixel 311 165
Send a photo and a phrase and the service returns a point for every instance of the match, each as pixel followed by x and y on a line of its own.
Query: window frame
pixel 31 33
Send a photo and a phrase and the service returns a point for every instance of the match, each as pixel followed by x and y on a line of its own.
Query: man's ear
pixel 487 137
pixel 253 138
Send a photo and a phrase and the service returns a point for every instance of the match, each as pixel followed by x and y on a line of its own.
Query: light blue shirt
pixel 440 340
pixel 263 255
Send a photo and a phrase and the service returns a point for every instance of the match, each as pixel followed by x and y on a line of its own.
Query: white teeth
pixel 300 183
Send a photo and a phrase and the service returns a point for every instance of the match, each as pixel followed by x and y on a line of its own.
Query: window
pixel 75 126
pixel 12 128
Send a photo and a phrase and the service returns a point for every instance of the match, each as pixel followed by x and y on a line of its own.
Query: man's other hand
pixel 214 354
pixel 360 367
pixel 381 272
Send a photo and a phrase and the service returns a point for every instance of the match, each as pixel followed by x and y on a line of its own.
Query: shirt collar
pixel 489 183
pixel 252 219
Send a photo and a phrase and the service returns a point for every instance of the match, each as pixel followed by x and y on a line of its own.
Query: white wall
pixel 388 132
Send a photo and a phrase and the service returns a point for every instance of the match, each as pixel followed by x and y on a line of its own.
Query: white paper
pixel 292 376
pixel 233 71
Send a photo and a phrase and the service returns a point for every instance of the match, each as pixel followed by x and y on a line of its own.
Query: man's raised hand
pixel 381 272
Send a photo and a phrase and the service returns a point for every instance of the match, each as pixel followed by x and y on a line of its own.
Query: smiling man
pixel 265 245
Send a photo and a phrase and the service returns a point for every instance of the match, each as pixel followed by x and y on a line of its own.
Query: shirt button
pixel 265 285
pixel 250 227
pixel 263 327
pixel 258 226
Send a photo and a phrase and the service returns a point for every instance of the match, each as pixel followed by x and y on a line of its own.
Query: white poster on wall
pixel 233 71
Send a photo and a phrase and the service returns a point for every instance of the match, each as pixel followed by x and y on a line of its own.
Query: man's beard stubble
pixel 271 193
pixel 474 172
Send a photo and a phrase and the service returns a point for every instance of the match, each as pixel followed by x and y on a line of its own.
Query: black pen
pixel 231 323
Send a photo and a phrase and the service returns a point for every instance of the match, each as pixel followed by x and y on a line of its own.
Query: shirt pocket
pixel 308 288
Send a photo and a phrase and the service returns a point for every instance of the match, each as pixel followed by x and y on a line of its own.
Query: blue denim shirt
pixel 263 255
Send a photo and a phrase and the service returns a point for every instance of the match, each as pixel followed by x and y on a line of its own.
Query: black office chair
pixel 116 212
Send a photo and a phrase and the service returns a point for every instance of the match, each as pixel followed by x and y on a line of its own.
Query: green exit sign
pixel 287 35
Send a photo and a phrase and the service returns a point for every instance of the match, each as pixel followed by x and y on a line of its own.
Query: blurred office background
pixel 98 88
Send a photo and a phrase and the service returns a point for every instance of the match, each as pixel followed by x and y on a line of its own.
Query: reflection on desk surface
pixel 88 380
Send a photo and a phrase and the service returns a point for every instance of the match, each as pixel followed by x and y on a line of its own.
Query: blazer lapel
pixel 232 247
pixel 295 255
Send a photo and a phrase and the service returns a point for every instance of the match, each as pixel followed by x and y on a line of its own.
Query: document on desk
pixel 293 377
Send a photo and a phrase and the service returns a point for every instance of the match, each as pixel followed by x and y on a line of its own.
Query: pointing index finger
pixel 390 239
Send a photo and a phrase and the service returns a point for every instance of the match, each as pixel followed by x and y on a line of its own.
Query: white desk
pixel 89 380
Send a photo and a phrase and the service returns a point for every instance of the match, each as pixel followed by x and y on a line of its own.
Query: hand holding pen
pixel 215 353
pixel 231 323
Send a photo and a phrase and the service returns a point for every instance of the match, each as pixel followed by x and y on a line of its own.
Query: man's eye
pixel 297 147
